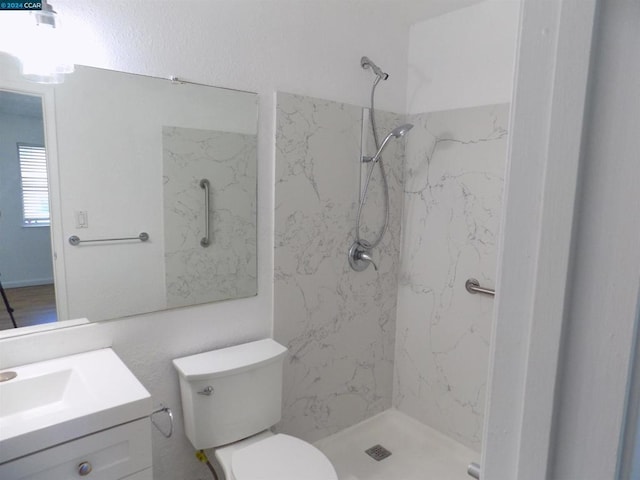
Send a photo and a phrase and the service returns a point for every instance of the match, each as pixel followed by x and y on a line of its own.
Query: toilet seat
pixel 281 457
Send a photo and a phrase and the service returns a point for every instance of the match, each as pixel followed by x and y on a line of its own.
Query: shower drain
pixel 377 452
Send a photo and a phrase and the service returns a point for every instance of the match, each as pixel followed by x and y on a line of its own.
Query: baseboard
pixel 33 282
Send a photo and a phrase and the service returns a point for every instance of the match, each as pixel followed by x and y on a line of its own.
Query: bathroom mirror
pixel 127 159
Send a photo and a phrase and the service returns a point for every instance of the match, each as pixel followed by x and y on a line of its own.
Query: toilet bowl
pixel 269 456
pixel 230 399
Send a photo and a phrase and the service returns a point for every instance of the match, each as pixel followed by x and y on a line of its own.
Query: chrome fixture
pixel 474 470
pixel 359 253
pixel 360 256
pixel 75 240
pixel 473 286
pixel 365 63
pixel 6 376
pixel 208 390
pixel 397 132
pixel 378 452
pixel 46 16
pixel 204 183
pixel 169 413
pixel 84 469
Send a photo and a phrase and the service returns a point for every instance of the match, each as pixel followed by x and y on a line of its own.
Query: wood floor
pixel 31 306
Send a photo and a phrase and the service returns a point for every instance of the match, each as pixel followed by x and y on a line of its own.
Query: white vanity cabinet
pixel 122 452
pixel 143 475
pixel 79 416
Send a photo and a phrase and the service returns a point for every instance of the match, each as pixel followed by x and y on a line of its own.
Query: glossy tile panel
pixel 338 324
pixel 227 267
pixel 454 171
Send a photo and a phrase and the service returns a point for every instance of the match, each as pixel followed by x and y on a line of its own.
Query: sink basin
pixel 55 401
pixel 43 394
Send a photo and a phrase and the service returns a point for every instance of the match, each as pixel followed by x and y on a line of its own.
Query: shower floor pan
pixel 417 452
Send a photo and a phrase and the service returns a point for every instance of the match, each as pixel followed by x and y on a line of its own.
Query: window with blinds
pixel 35 185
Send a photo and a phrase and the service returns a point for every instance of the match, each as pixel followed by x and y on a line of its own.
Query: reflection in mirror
pixel 26 268
pixel 215 172
pixel 128 154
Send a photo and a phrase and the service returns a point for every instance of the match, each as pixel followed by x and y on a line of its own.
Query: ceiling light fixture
pixel 43 52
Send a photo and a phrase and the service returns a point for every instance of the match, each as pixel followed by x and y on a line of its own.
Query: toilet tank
pixel 231 393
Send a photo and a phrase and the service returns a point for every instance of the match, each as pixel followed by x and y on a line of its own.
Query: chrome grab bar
pixel 473 286
pixel 204 183
pixel 474 470
pixel 75 240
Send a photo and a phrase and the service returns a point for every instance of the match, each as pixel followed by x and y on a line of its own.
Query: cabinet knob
pixel 84 469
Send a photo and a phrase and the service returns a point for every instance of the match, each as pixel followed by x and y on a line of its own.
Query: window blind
pixel 35 185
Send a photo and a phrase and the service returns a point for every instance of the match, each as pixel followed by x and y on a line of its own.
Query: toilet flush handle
pixel 206 391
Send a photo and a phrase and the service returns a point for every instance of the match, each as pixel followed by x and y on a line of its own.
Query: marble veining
pixel 338 325
pixel 342 327
pixel 227 267
pixel 454 171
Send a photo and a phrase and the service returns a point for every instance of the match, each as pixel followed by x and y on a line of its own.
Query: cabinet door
pixel 107 455
pixel 143 475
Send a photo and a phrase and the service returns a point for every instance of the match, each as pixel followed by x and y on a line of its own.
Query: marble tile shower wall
pixel 454 170
pixel 227 268
pixel 338 325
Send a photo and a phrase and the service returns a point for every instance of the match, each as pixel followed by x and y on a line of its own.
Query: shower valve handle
pixel 359 257
pixel 365 256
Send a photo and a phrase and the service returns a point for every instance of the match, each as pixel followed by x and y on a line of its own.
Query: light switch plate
pixel 82 219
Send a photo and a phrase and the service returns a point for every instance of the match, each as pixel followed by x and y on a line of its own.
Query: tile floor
pixel 418 452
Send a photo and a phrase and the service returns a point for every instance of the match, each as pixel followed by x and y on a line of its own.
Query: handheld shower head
pixel 401 130
pixel 395 133
pixel 365 63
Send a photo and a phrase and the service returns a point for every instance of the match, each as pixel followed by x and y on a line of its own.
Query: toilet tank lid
pixel 230 360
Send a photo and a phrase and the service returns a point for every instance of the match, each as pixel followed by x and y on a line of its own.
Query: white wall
pixel 313 48
pixel 307 47
pixel 25 252
pixel 464 58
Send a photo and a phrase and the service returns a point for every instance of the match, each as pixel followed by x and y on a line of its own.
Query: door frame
pixel 46 93
pixel 534 254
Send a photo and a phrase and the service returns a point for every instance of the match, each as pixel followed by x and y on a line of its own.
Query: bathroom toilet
pixel 230 399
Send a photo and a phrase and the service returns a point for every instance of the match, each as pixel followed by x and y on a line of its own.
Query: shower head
pixel 395 133
pixel 365 63
pixel 401 130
